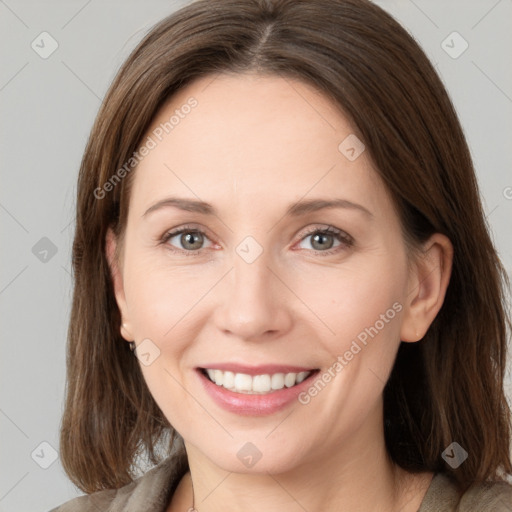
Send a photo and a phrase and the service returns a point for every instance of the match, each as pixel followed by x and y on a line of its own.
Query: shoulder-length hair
pixel 447 387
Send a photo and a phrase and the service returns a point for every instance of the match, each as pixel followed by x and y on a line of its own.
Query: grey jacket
pixel 152 492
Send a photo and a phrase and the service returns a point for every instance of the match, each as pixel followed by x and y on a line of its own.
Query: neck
pixel 357 475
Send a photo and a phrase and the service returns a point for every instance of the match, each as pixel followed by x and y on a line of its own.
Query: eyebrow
pixel 294 210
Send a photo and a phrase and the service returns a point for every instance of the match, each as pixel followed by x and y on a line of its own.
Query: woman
pixel 334 337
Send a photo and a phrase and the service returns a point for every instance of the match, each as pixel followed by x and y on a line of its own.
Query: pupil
pixel 321 236
pixel 189 237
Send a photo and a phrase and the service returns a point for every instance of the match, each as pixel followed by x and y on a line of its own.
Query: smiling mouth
pixel 255 384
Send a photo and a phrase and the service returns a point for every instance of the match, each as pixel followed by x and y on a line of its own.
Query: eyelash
pixel 341 236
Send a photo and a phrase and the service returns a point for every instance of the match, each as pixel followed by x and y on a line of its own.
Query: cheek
pixel 361 306
pixel 163 299
pixel 349 300
pixel 163 303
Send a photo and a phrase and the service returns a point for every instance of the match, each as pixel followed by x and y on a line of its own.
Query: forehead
pixel 251 136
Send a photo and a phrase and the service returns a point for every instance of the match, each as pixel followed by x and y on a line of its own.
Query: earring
pixel 132 345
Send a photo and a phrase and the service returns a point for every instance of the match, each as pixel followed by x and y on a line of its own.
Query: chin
pixel 247 454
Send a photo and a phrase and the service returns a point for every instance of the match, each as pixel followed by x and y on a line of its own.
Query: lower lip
pixel 254 405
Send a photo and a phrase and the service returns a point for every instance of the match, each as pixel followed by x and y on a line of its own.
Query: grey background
pixel 47 109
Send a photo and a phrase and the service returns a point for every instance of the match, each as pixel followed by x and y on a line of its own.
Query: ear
pixel 428 282
pixel 117 279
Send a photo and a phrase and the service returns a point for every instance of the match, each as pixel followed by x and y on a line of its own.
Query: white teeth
pixel 243 382
pixel 218 377
pixel 261 383
pixel 289 379
pixel 301 376
pixel 277 381
pixel 229 380
pixel 257 384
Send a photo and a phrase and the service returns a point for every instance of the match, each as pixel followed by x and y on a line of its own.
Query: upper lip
pixel 256 370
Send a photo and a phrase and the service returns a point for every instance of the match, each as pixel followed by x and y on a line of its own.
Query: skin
pixel 253 146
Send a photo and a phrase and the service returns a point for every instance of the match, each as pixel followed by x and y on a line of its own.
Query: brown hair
pixel 447 387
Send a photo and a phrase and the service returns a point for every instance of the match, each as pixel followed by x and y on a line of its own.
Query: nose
pixel 255 303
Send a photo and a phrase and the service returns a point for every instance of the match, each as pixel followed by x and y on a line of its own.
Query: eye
pixel 191 239
pixel 322 240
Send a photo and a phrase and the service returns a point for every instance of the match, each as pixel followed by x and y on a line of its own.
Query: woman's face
pixel 257 287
